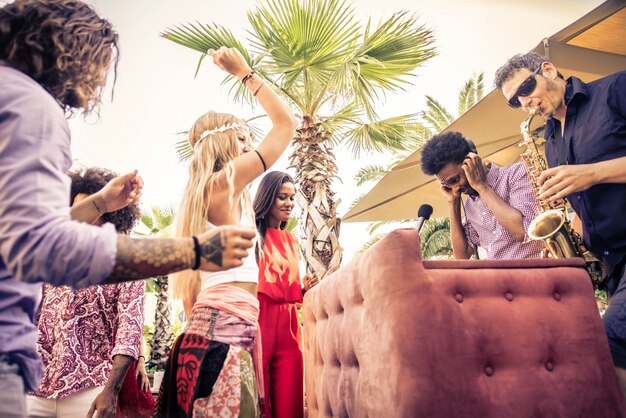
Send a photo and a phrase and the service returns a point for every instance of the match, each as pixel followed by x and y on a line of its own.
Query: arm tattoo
pixel 141 258
pixel 212 250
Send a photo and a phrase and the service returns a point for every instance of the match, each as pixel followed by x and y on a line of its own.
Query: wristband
pixel 248 77
pixel 196 250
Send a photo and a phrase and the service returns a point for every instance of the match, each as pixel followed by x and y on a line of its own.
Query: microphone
pixel 423 214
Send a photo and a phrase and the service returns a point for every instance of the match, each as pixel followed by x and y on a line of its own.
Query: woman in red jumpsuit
pixel 279 291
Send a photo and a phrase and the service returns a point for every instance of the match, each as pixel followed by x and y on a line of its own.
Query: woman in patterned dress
pixel 214 366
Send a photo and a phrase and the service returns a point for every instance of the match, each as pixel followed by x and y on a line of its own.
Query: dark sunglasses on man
pixel 525 89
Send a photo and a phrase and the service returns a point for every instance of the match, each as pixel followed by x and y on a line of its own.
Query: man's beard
pixel 551 86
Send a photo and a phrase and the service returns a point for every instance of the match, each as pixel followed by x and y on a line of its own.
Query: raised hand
pixel 475 171
pixel 231 61
pixel 224 247
pixel 120 192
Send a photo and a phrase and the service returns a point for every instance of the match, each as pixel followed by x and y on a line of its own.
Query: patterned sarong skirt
pixel 210 372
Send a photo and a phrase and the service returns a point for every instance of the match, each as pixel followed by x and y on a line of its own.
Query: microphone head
pixel 425 211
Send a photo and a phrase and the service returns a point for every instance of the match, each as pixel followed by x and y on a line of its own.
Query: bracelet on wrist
pixel 247 77
pixel 196 250
pixel 258 88
pixel 95 205
pixel 144 359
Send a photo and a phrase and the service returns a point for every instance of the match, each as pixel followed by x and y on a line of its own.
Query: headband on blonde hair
pixel 222 128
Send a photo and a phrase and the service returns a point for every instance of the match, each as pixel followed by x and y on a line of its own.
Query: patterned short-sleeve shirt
pixel 483 229
pixel 81 330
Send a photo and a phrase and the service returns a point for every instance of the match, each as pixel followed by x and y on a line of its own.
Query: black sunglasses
pixel 524 89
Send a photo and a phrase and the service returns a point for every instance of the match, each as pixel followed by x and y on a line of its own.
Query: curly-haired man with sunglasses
pixel 586 153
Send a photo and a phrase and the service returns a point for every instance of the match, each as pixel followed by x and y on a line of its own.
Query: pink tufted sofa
pixel 390 335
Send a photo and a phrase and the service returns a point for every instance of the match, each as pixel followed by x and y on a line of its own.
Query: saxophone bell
pixel 551 228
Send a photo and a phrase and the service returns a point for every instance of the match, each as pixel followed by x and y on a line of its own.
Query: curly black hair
pixel 90 180
pixel 443 149
pixel 63 45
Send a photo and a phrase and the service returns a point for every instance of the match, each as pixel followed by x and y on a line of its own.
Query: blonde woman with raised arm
pixel 213 369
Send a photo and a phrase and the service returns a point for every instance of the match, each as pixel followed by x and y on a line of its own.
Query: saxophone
pixel 551 225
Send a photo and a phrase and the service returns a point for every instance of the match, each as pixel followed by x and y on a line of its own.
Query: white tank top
pixel 248 272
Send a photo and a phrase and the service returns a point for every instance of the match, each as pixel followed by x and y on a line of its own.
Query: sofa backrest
pixel 391 336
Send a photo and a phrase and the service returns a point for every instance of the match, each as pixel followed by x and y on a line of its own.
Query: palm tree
pixel 332 70
pixel 435 239
pixel 436 118
pixel 159 222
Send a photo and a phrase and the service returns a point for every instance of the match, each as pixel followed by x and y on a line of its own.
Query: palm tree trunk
pixel 162 340
pixel 315 166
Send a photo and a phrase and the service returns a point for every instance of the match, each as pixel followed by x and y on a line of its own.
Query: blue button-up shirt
pixel 595 130
pixel 38 241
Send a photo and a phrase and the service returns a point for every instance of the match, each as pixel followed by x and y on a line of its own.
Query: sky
pixel 156 94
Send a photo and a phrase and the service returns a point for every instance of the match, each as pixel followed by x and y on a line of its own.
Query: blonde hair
pixel 214 151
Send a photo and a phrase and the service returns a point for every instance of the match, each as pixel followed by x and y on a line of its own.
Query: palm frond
pixel 435 238
pixel 471 93
pixel 164 216
pixel 304 42
pixel 373 240
pixel 356 200
pixel 349 115
pixel 388 56
pixel 396 48
pixel 147 221
pixel 202 37
pixel 479 87
pixel 396 133
pixel 370 173
pixel 436 115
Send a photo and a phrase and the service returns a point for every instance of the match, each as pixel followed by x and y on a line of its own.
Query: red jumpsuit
pixel 281 336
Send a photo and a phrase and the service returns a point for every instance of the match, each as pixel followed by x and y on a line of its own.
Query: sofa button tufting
pixel 549 366
pixel 557 296
pixel 489 370
pixel 459 297
pixel 509 296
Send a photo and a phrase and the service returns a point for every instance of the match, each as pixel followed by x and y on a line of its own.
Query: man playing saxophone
pixel 500 202
pixel 586 153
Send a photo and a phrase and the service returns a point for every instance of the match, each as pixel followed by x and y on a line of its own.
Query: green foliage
pixel 471 93
pixel 325 62
pixel 435 239
pixel 292 224
pixel 148 335
pixel 151 286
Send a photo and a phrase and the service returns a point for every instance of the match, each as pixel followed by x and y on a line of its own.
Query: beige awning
pixel 590 48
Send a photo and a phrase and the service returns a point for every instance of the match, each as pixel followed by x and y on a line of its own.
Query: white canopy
pixel 590 48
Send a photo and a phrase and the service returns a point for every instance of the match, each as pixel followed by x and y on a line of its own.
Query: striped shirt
pixel 482 229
